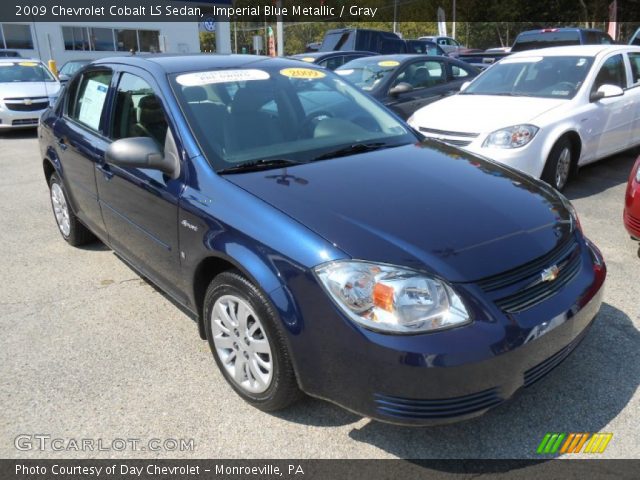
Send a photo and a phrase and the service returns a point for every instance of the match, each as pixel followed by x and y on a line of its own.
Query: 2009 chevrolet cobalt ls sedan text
pixel 323 246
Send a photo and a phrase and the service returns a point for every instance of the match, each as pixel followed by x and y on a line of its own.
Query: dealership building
pixel 66 41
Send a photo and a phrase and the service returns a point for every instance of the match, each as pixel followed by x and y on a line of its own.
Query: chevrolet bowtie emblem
pixel 549 274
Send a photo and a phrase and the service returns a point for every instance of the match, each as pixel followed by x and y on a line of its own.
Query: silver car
pixel 27 88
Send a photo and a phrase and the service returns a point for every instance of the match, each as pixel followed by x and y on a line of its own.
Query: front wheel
pixel 558 167
pixel 247 343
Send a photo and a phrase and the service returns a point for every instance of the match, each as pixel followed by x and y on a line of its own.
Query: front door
pixel 140 206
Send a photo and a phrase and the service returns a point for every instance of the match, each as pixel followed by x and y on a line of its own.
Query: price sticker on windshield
pixel 388 63
pixel 307 73
pixel 28 64
pixel 221 76
pixel 308 59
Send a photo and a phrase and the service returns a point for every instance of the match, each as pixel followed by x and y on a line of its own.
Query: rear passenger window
pixel 88 104
pixel 138 111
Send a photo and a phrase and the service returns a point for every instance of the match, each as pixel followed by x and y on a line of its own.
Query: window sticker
pixel 388 63
pixel 221 76
pixel 28 64
pixel 581 62
pixel 348 71
pixel 522 60
pixel 92 102
pixel 307 73
pixel 308 59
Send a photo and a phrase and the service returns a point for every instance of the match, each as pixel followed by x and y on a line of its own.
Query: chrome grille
pixel 566 256
pixel 27 104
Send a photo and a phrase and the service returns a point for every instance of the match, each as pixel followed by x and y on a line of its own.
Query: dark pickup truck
pixel 378 41
pixel 542 38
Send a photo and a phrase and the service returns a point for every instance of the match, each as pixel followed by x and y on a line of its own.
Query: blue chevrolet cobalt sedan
pixel 323 246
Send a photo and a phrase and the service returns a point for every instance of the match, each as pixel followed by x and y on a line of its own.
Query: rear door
pixel 611 119
pixel 140 206
pixel 77 134
pixel 634 96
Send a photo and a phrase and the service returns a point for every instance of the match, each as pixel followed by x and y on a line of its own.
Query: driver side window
pixel 612 72
pixel 138 111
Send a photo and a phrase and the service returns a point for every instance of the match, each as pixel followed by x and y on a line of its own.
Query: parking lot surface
pixel 89 350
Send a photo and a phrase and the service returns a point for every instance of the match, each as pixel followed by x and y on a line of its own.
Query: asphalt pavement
pixel 90 351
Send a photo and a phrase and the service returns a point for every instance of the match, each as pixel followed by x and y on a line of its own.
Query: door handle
pixel 62 144
pixel 106 171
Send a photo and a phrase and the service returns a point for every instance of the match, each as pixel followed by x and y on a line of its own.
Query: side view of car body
pixel 27 88
pixel 331 60
pixel 450 45
pixel 302 224
pixel 631 214
pixel 545 112
pixel 405 83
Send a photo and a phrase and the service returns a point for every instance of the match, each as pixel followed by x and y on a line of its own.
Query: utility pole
pixel 395 16
pixel 280 30
pixel 453 18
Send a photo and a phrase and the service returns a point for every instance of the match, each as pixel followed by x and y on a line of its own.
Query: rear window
pixel 531 41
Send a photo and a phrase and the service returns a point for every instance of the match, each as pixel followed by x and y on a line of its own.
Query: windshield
pixel 295 114
pixel 70 68
pixel 24 72
pixel 367 73
pixel 545 77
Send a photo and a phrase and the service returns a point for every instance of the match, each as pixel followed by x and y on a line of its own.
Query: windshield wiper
pixel 264 164
pixel 353 149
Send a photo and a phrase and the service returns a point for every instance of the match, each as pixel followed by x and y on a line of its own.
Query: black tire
pixel 283 388
pixel 556 173
pixel 78 234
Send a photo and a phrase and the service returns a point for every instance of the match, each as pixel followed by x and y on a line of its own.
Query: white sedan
pixel 545 112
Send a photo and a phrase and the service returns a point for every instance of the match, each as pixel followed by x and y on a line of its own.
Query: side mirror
pixel 402 87
pixel 606 91
pixel 63 78
pixel 141 152
pixel 464 86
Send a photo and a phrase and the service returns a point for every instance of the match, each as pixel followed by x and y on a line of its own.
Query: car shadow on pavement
pixel 602 175
pixel 583 394
pixel 18 134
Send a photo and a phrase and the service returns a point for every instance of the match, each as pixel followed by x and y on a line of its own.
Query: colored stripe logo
pixel 561 443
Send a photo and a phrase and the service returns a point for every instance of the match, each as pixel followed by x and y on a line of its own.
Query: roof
pixel 331 52
pixel 20 60
pixel 172 63
pixel 585 50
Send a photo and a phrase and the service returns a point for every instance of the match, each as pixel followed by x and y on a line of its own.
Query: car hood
pixel 28 89
pixel 482 113
pixel 426 206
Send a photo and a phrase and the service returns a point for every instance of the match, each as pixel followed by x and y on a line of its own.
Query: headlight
pixel 392 299
pixel 410 120
pixel 511 137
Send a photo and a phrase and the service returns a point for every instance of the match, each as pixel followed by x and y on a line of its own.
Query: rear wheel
pixel 558 167
pixel 247 344
pixel 74 232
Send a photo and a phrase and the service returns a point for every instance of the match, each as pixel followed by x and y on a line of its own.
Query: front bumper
pixel 444 376
pixel 10 119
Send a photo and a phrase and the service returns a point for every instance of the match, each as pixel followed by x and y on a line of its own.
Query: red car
pixel 632 202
